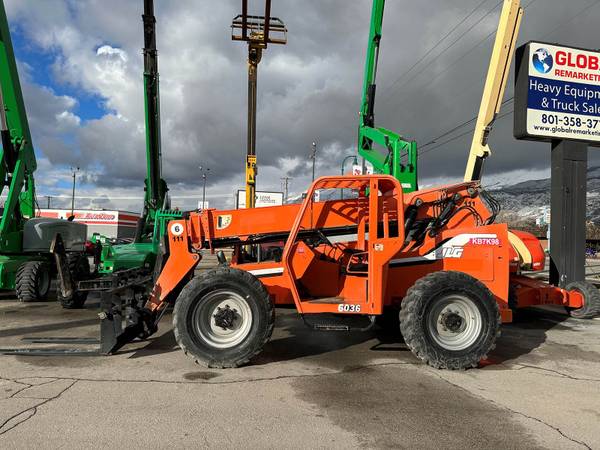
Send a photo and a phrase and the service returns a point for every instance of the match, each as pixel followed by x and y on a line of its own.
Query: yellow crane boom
pixel 495 84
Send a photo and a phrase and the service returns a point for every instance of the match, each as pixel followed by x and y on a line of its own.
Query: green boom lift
pixel 141 253
pixel 27 243
pixel 384 149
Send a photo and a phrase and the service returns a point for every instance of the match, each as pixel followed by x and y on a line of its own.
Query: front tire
pixel 223 318
pixel 450 320
pixel 32 282
pixel 79 268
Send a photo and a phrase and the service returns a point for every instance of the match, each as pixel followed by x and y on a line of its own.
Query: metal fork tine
pixel 60 340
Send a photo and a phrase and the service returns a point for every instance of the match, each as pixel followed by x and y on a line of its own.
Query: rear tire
pixel 79 268
pixel 223 318
pixel 591 300
pixel 32 282
pixel 450 320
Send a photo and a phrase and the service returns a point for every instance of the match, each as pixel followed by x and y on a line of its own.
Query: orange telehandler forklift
pixel 435 253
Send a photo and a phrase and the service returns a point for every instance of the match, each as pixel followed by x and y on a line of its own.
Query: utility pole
pixel 204 173
pixel 313 156
pixel 49 198
pixel 285 181
pixel 74 170
pixel 343 165
pixel 255 30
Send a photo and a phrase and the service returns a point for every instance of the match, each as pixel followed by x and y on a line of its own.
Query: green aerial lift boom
pixel 399 157
pixel 26 261
pixel 141 253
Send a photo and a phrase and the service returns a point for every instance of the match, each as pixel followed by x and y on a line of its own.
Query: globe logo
pixel 542 60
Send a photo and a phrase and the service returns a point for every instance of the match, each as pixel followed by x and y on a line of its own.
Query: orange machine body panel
pixel 358 255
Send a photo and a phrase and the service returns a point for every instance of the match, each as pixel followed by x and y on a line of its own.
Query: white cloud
pixel 67 119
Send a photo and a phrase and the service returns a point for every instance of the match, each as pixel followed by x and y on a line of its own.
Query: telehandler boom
pixel 387 151
pixel 141 253
pixel 495 84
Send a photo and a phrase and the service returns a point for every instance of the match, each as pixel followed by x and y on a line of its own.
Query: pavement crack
pixel 522 414
pixel 25 386
pixel 23 416
pixel 348 369
pixel 15 381
pixel 29 386
pixel 560 374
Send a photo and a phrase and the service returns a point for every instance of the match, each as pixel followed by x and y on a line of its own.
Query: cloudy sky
pixel 81 69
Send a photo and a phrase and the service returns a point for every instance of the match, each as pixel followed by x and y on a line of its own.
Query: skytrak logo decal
pixel 452 252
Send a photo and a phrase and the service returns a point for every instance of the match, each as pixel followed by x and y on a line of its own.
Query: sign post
pixel 557 100
pixel 567 212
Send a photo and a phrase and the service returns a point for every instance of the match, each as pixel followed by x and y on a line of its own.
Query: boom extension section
pixel 495 84
pixel 155 187
pixel 17 154
pixel 399 157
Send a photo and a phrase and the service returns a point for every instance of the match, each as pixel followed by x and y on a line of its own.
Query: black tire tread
pixel 411 320
pixel 591 297
pixel 189 290
pixel 25 281
pixel 78 299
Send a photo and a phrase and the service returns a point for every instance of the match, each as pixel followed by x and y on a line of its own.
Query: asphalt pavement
pixel 540 388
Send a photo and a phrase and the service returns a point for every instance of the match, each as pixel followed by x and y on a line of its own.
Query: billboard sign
pixel 557 93
pixel 263 199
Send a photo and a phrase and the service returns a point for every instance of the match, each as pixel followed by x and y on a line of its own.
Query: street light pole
pixel 344 164
pixel 204 172
pixel 74 170
pixel 286 181
pixel 314 158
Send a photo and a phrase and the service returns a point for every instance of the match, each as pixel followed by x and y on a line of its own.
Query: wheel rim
pixel 43 283
pixel 454 322
pixel 222 319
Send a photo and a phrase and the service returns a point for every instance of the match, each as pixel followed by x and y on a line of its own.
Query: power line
pixel 468 30
pixel 584 10
pixel 458 127
pixel 464 55
pixel 437 44
pixel 460 135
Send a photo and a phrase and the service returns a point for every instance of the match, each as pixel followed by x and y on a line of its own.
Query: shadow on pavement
pixel 25 331
pixel 155 346
pixel 525 334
